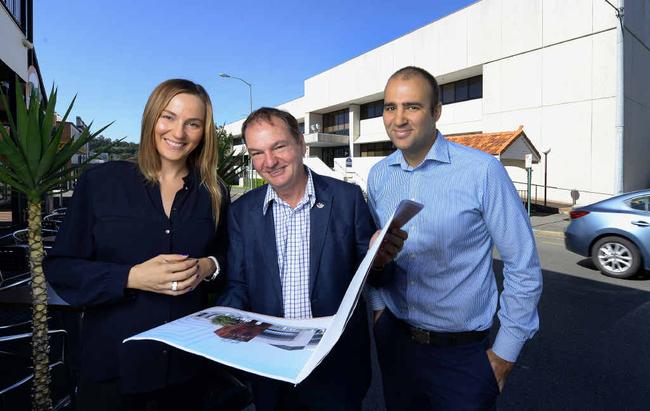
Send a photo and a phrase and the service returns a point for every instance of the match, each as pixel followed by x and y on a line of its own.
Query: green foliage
pixel 230 166
pixel 258 182
pixel 33 159
pixel 116 149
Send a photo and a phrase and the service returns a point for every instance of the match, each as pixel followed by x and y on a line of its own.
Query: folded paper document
pixel 279 348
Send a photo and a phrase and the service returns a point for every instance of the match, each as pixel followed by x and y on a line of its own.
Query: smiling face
pixel 277 156
pixel 180 128
pixel 408 116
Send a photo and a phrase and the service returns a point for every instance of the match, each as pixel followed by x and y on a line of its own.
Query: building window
pixel 337 122
pixel 462 90
pixel 475 87
pixel 372 110
pixel 380 149
pixel 15 8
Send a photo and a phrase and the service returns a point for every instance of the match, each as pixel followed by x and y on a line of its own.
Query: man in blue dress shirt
pixel 435 305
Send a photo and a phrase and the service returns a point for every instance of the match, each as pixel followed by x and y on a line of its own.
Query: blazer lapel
pixel 266 243
pixel 319 217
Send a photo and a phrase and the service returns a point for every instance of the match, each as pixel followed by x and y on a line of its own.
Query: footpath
pixel 551 225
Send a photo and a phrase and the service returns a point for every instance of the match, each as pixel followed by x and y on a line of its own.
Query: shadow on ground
pixel 591 352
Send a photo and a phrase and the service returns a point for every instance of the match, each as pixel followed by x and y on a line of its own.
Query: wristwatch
pixel 217 270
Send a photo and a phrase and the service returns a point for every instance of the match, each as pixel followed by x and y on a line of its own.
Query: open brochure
pixel 283 349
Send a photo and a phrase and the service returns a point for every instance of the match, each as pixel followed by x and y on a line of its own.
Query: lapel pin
pixel 320 205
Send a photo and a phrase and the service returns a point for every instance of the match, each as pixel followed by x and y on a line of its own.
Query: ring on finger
pixel 174 285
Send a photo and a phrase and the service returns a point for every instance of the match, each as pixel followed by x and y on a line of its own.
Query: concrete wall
pixel 372 130
pixel 12 51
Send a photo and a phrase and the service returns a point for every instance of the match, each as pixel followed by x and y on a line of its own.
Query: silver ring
pixel 174 285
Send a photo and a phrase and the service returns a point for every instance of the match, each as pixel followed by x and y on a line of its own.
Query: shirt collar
pixel 439 151
pixel 309 194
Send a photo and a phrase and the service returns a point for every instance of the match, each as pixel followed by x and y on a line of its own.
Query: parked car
pixel 615 233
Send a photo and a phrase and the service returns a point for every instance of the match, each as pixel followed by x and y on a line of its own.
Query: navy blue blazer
pixel 340 232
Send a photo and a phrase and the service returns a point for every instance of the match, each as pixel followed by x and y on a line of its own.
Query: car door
pixel 638 223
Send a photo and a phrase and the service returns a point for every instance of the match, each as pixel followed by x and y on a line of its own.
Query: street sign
pixel 529 161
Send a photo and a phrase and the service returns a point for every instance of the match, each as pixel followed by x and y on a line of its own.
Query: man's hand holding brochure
pixel 279 348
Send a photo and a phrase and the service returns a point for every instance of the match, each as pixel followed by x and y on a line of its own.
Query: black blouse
pixel 116 220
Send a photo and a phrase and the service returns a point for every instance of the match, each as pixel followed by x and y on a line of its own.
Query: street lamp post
pixel 250 110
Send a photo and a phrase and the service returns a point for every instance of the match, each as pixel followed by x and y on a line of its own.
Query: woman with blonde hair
pixel 141 246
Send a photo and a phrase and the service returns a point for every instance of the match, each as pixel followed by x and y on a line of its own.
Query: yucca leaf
pixel 13 158
pixel 71 147
pixel 48 156
pixel 10 180
pixel 32 136
pixel 47 122
pixel 69 174
pixel 67 112
pixel 22 120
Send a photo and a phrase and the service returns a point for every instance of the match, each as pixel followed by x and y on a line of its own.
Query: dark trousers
pixel 426 377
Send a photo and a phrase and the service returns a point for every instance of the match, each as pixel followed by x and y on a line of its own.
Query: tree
pixel 33 162
pixel 230 165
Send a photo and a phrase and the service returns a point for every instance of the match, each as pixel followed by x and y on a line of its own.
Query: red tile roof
pixel 491 143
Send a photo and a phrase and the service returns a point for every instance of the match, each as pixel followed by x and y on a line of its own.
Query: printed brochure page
pixel 283 349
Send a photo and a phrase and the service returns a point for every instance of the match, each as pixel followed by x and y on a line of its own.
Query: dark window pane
pixel 372 110
pixel 461 90
pixel 476 87
pixel 448 94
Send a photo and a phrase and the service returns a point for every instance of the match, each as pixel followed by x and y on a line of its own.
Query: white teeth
pixel 174 143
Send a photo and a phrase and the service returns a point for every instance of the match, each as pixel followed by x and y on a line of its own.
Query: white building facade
pixel 556 67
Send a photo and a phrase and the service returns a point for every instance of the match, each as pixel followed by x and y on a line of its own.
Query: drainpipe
pixel 619 144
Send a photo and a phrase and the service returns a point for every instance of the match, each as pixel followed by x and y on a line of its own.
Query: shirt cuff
pixel 507 346
pixel 375 300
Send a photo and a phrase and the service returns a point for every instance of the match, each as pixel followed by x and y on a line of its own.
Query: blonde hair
pixel 203 159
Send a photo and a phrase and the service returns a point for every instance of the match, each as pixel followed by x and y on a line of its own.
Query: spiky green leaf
pixel 47 122
pixel 32 136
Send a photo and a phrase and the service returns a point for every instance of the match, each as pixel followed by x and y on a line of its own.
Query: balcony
pixel 326 140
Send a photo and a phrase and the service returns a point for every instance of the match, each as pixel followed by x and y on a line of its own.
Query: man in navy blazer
pixel 294 246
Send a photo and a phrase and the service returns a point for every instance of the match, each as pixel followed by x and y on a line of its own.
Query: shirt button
pixel 167 231
pixel 164 352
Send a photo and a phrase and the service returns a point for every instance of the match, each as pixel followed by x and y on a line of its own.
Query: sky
pixel 112 54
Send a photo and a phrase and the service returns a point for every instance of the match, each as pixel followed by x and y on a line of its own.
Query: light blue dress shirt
pixel 292 238
pixel 443 279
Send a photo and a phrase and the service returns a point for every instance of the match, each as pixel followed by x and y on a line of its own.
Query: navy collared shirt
pixel 115 221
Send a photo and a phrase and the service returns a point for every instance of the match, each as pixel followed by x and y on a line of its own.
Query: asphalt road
pixel 591 352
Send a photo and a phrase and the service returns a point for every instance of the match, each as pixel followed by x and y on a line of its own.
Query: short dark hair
pixel 409 71
pixel 266 115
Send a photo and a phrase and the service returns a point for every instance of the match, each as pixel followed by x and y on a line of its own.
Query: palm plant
pixel 230 165
pixel 33 161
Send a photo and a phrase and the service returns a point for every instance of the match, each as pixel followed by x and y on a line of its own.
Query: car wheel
pixel 616 257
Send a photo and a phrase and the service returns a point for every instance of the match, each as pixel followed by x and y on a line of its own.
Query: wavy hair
pixel 203 159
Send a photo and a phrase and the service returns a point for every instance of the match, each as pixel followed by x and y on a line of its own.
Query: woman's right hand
pixel 159 274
